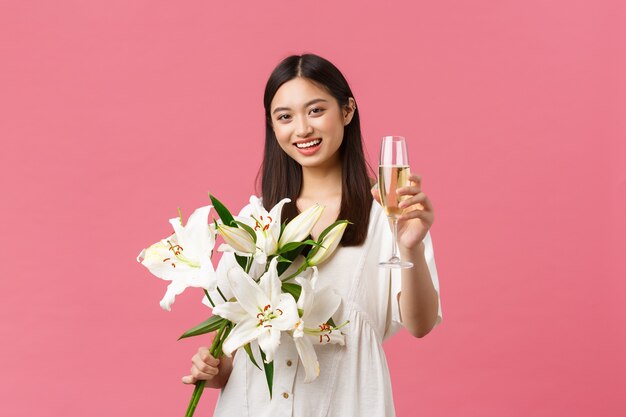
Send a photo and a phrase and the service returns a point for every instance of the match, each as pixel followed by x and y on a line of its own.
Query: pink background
pixel 114 113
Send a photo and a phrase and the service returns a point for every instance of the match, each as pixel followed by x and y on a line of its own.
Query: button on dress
pixel 354 378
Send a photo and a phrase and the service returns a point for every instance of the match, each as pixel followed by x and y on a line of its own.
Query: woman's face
pixel 308 122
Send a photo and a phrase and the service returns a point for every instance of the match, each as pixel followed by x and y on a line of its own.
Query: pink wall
pixel 114 113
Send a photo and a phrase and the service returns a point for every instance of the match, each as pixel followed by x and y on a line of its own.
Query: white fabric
pixel 354 379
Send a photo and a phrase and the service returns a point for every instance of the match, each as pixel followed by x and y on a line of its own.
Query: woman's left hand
pixel 417 217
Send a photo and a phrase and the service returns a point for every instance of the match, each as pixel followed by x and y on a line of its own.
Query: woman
pixel 313 154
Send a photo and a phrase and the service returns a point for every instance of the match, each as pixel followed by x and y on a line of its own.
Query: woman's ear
pixel 348 111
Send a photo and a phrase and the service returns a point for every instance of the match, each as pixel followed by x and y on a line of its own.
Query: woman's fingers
pixel 417 214
pixel 205 356
pixel 376 195
pixel 203 367
pixel 189 379
pixel 420 199
pixel 414 188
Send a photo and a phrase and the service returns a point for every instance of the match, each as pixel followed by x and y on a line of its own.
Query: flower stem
pixel 209 297
pixel 295 274
pixel 221 294
pixel 197 391
pixel 195 397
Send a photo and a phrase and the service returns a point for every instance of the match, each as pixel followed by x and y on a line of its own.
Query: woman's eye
pixel 316 110
pixel 283 117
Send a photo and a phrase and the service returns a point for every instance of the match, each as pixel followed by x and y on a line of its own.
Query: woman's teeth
pixel 308 144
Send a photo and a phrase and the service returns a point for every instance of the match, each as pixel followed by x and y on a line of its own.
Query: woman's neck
pixel 321 185
pixel 321 182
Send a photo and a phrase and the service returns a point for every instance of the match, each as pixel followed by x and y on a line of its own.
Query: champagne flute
pixel 393 173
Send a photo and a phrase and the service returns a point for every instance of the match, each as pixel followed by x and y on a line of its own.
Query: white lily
pixel 267 227
pixel 184 257
pixel 237 240
pixel 300 226
pixel 261 311
pixel 329 243
pixel 318 306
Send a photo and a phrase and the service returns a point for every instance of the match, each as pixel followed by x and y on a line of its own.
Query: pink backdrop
pixel 114 113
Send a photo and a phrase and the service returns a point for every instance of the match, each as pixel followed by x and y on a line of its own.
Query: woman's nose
pixel 303 128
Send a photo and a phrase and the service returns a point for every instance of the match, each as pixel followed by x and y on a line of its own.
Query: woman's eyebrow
pixel 307 104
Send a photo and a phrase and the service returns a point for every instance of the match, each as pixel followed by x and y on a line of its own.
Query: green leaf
pixel 222 211
pixel 286 258
pixel 292 288
pixel 294 245
pixel 207 326
pixel 269 372
pixel 242 261
pixel 248 350
pixel 247 229
pixel 331 322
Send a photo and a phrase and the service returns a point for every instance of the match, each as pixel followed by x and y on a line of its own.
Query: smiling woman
pixel 314 155
pixel 307 99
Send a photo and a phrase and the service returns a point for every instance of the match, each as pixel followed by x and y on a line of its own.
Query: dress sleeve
pixel 395 283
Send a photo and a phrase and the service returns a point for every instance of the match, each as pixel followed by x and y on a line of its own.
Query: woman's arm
pixel 418 300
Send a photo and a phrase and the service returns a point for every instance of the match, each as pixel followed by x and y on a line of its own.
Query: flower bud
pixel 237 238
pixel 300 227
pixel 329 243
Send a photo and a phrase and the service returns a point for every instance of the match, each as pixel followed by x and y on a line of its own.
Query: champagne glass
pixel 393 173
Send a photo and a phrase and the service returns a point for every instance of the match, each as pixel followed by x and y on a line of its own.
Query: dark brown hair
pixel 281 176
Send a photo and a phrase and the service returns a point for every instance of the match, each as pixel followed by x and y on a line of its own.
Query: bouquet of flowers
pixel 266 300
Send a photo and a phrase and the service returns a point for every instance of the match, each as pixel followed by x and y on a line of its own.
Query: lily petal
pixel 244 332
pixel 270 283
pixel 175 288
pixel 289 317
pixel 195 237
pixel 327 301
pixel 231 311
pixel 247 292
pixel 309 358
pixel 268 342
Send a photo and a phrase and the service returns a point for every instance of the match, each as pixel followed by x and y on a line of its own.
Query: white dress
pixel 354 379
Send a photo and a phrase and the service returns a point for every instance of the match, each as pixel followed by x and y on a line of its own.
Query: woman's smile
pixel 308 146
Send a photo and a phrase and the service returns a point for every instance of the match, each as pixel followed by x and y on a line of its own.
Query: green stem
pixel 197 391
pixel 218 349
pixel 295 274
pixel 209 297
pixel 221 294
pixel 195 397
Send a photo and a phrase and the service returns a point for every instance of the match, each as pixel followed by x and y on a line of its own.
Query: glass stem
pixel 394 230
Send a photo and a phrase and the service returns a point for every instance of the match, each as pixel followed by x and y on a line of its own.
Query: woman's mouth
pixel 309 147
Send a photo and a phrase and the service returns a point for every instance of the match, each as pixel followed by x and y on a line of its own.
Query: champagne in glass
pixel 391 178
pixel 393 173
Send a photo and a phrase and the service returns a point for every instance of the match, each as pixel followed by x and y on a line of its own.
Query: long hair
pixel 281 176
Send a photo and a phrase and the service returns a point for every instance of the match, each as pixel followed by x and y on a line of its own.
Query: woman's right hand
pixel 205 367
